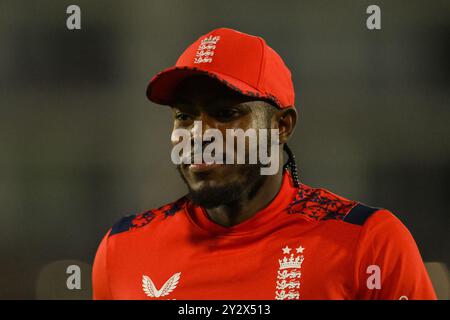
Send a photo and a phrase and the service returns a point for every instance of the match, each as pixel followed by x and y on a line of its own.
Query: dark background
pixel 77 134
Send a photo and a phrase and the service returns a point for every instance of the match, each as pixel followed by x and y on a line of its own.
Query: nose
pixel 201 124
pixel 198 130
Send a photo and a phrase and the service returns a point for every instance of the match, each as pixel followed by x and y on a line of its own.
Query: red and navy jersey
pixel 308 243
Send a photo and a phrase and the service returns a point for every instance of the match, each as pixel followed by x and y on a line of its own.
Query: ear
pixel 286 118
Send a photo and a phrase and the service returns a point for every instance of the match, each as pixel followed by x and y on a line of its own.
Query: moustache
pixel 200 157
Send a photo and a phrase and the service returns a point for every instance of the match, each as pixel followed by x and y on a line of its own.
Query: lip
pixel 187 158
pixel 200 167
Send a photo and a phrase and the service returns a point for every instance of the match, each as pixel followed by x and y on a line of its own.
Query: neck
pixel 246 206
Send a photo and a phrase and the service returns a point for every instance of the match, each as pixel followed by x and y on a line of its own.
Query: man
pixel 239 234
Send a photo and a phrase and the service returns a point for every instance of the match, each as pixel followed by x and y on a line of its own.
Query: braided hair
pixel 291 165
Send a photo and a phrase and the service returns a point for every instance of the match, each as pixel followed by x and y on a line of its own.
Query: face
pixel 218 107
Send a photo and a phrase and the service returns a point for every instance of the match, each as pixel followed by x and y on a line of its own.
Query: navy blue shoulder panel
pixel 122 225
pixel 140 220
pixel 359 214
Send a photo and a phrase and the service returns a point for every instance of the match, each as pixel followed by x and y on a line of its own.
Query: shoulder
pixel 384 227
pixel 140 220
pixel 320 204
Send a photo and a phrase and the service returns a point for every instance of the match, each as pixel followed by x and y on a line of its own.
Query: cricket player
pixel 241 234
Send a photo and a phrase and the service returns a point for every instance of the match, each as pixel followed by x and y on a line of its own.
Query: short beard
pixel 231 194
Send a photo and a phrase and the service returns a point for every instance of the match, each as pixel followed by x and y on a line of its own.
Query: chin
pixel 211 196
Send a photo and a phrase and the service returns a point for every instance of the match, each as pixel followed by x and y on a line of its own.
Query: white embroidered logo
pixel 205 50
pixel 150 290
pixel 289 274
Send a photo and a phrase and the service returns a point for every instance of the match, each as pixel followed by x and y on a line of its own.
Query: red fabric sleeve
pixel 100 281
pixel 388 251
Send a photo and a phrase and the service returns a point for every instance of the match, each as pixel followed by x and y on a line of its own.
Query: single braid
pixel 290 164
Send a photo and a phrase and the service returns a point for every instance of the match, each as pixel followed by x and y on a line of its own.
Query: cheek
pixel 173 139
pixel 246 123
pixel 178 134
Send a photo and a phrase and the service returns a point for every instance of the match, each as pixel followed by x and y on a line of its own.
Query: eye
pixel 227 114
pixel 180 116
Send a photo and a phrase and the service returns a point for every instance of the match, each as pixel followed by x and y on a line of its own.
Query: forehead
pixel 205 90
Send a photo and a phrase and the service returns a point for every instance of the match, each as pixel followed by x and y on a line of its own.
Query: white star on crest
pixel 300 249
pixel 286 250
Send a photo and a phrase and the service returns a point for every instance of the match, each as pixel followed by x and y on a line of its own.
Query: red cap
pixel 243 62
